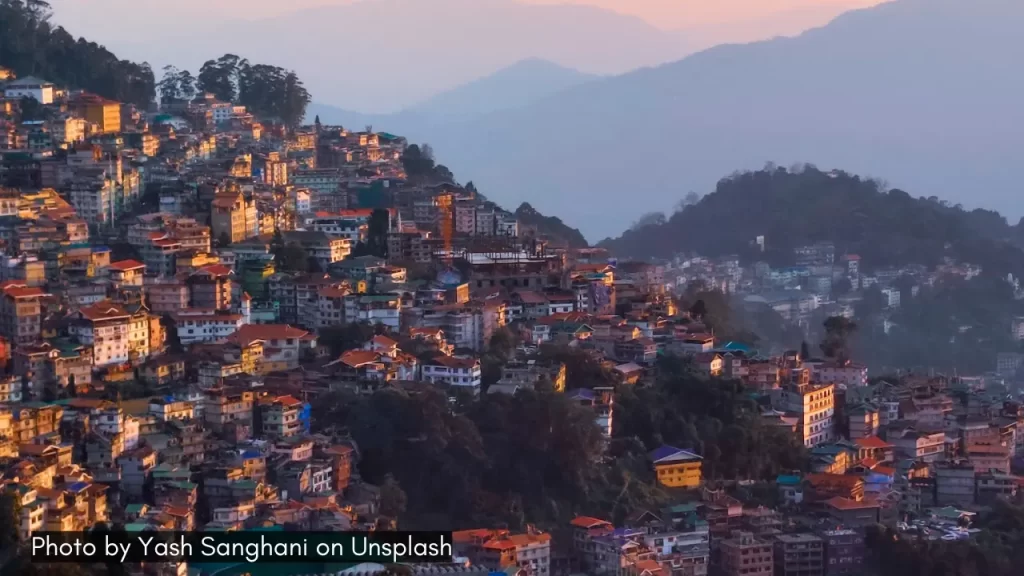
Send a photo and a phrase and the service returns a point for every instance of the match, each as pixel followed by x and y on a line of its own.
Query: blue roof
pixel 736 346
pixel 251 454
pixel 582 393
pixel 78 486
pixel 671 453
pixel 787 479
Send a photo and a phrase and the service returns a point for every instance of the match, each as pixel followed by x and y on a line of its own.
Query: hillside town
pixel 183 289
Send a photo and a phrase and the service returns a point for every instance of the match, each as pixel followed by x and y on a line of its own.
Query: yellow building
pixel 106 114
pixel 676 468
pixel 233 216
pixel 191 261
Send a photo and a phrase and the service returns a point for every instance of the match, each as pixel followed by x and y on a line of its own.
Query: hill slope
pixel 914 91
pixel 32 46
pixel 795 208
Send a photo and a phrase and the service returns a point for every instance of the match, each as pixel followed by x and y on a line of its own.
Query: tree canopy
pixel 796 207
pixel 32 46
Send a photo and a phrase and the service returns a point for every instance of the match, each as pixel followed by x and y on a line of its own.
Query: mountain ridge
pixel 603 153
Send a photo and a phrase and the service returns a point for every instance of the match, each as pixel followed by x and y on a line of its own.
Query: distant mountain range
pixel 382 56
pixel 513 87
pixel 914 91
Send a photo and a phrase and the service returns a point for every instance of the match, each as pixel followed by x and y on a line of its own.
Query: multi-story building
pixel 954 484
pixel 284 345
pixel 105 114
pixel 210 288
pixel 499 550
pixel 676 468
pixel 374 309
pixel 105 326
pixel 30 87
pixel 843 552
pixel 352 229
pixel 745 555
pixel 849 374
pixel 325 249
pixel 918 445
pixel 799 555
pixel 20 312
pixel 282 417
pixel 68 129
pixel 814 404
pixel 96 196
pixel 199 325
pixel 126 273
pixel 225 407
pixel 459 373
pixel 864 421
pixel 233 216
pixel 166 295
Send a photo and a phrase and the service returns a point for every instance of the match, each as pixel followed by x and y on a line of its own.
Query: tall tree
pixel 836 344
pixel 31 46
pixel 377 233
pixel 220 77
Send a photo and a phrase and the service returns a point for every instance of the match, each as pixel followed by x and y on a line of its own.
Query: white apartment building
pixel 815 405
pixel 106 327
pixel 195 325
pixel 456 372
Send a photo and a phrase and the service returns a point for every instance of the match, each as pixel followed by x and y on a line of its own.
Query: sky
pixel 474 38
pixel 666 14
pixel 681 14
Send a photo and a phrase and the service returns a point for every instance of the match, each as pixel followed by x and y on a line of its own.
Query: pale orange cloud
pixel 694 13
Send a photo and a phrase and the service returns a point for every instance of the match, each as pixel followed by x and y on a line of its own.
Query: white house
pixel 30 87
pixel 456 372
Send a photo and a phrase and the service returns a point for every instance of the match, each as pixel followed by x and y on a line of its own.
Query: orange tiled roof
pixel 382 340
pixel 249 332
pixel 589 522
pixel 214 270
pixel 357 358
pixel 105 310
pixel 872 442
pixel 125 265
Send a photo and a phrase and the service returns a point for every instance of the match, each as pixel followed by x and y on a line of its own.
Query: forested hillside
pixel 796 207
pixel 550 227
pixel 31 46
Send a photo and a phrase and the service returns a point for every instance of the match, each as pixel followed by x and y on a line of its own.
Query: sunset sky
pixel 668 14
pixel 687 13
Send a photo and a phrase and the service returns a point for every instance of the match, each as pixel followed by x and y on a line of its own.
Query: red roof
pixel 357 358
pixel 249 332
pixel 105 310
pixel 872 442
pixel 23 292
pixel 452 362
pixel 289 401
pixel 125 265
pixel 589 522
pixel 382 340
pixel 214 270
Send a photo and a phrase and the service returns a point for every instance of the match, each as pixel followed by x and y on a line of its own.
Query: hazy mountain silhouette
pixel 918 92
pixel 384 55
pixel 515 86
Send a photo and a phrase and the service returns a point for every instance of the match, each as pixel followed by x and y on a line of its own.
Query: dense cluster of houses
pixel 161 352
